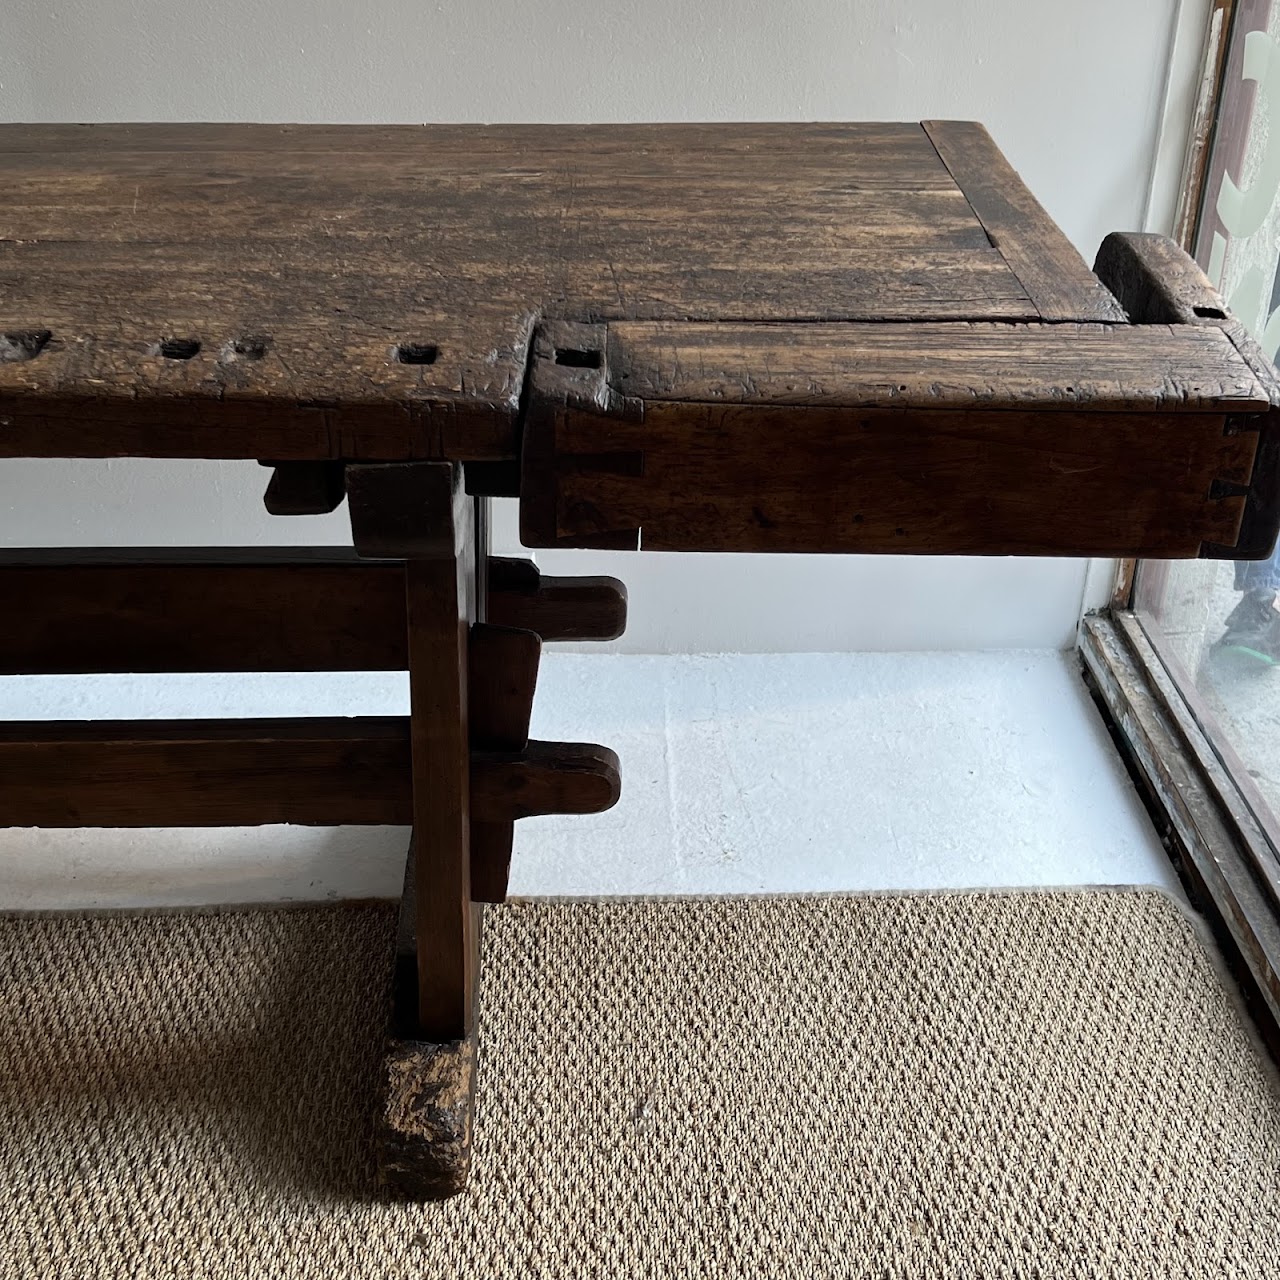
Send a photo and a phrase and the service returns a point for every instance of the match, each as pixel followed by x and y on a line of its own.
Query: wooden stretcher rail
pixel 316 772
pixel 312 772
pixel 253 609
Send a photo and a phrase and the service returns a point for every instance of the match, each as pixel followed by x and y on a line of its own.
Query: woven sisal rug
pixel 967 1085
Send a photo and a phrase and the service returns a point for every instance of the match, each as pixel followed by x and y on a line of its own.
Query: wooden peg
pixel 546 777
pixel 305 488
pixel 587 608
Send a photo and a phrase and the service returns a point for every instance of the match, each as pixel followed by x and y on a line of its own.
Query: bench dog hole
pixel 417 352
pixel 576 358
pixel 177 348
pixel 24 345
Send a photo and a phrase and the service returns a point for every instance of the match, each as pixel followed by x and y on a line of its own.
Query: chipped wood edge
pixel 425 1127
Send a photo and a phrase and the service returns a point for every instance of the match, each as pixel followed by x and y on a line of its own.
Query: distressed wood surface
pixel 673 440
pixel 1039 254
pixel 1163 366
pixel 546 777
pixel 369 293
pixel 424 1129
pixel 470 293
pixel 1158 282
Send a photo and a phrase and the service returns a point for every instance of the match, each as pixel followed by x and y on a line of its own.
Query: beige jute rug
pixel 960 1085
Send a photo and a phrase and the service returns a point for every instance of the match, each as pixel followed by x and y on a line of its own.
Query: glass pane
pixel 1216 620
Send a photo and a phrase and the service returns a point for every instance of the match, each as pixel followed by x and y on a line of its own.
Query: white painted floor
pixel 741 774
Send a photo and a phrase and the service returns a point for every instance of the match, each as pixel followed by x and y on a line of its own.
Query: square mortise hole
pixel 178 348
pixel 23 345
pixel 577 358
pixel 417 352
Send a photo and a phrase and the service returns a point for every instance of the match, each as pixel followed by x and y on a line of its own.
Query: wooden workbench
pixel 845 338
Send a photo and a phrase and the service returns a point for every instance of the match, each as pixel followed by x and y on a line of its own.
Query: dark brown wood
pixel 197 609
pixel 425 1126
pixel 181 773
pixel 578 608
pixel 70 610
pixel 1160 283
pixel 671 441
pixel 369 293
pixel 503 672
pixel 924 438
pixel 420 511
pixel 1043 259
pixel 255 309
pixel 393 510
pixel 316 771
pixel 546 777
pixel 1157 365
pixel 305 488
pixel 996 483
pixel 1157 281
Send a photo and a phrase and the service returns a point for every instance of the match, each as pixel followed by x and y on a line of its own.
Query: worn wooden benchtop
pixel 700 296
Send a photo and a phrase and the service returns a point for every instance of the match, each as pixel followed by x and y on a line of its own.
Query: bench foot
pixel 424 1130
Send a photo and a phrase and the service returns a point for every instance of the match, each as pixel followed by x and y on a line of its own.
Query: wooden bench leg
pixel 475 774
pixel 428 1102
pixel 420 512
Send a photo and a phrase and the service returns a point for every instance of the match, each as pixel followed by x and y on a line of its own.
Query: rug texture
pixel 968 1085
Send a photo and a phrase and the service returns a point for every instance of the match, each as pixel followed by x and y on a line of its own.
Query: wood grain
pixel 200 609
pixel 557 608
pixel 1158 282
pixel 546 777
pixel 321 771
pixel 369 293
pixel 1043 259
pixel 439 605
pixel 1162 366
pixel 502 676
pixel 318 772
pixel 425 1124
pixel 923 439
pixel 978 481
pixel 82 610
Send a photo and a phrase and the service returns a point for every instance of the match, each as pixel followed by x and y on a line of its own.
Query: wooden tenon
pixel 807 338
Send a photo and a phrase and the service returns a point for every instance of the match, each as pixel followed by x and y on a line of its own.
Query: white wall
pixel 1072 92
